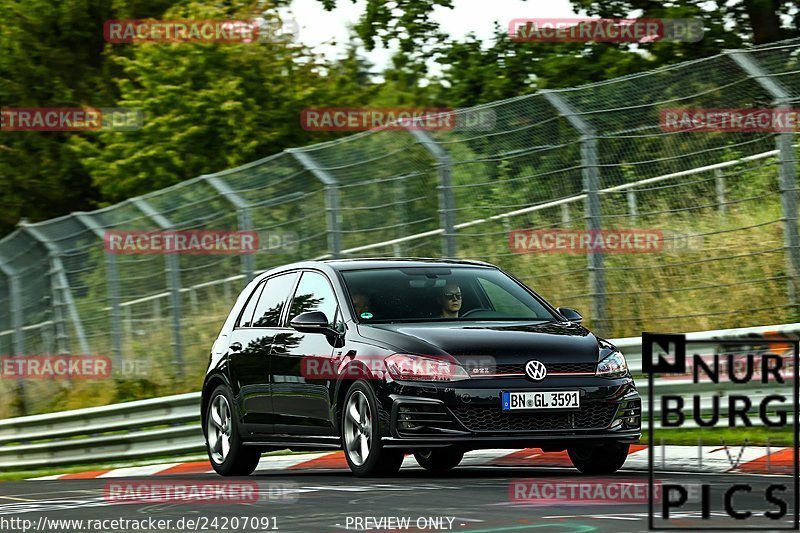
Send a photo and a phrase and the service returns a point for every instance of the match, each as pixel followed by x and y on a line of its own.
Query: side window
pixel 314 293
pixel 246 318
pixel 273 298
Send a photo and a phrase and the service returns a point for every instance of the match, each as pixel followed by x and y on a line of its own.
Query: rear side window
pixel 314 293
pixel 273 298
pixel 246 318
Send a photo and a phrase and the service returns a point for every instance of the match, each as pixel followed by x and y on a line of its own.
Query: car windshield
pixel 422 294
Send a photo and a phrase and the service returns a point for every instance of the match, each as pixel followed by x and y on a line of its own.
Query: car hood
pixel 506 342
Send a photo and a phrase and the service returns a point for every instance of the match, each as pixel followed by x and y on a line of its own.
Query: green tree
pixel 53 57
pixel 50 58
pixel 755 21
pixel 209 107
pixel 476 73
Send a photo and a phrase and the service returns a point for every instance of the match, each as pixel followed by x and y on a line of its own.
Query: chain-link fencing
pixel 594 158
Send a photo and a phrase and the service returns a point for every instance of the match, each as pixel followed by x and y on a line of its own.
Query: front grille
pixel 509 369
pixel 552 368
pixel 571 368
pixel 595 415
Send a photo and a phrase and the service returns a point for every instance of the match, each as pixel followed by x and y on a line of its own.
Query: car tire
pixel 603 459
pixel 361 435
pixel 438 459
pixel 228 455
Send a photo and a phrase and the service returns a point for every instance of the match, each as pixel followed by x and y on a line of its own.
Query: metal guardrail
pixel 170 425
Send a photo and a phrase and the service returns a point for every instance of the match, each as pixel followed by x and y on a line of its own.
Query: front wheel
pixel 228 455
pixel 603 459
pixel 438 460
pixel 361 438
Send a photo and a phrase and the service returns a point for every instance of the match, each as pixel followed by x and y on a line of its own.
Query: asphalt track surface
pixel 475 499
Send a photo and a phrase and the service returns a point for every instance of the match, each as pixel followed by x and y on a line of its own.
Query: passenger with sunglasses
pixel 450 300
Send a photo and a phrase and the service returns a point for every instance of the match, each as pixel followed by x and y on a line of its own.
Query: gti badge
pixel 535 370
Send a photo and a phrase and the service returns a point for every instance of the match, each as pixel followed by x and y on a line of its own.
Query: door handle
pixel 279 347
pixel 236 346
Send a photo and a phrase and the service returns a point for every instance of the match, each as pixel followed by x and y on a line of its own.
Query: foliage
pixel 209 107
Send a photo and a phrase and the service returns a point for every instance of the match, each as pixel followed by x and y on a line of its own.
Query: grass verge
pixel 754 436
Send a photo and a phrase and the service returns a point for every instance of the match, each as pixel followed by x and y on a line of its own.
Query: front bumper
pixel 468 414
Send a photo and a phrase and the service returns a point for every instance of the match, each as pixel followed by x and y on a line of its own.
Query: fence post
pixel 633 209
pixel 565 218
pixel 243 219
pixel 331 199
pixel 61 290
pixel 127 322
pixel 402 214
pixel 47 339
pixel 173 281
pixel 700 453
pixel 447 202
pixel 112 285
pixel 18 337
pixel 591 186
pixel 722 202
pixel 782 102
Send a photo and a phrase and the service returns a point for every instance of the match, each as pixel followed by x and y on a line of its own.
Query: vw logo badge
pixel 535 370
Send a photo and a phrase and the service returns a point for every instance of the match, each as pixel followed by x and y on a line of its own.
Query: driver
pixel 449 300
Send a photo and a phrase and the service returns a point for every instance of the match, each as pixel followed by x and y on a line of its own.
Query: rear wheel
pixel 228 455
pixel 439 459
pixel 603 459
pixel 361 437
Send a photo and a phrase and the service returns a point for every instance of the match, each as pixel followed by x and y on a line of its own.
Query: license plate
pixel 512 401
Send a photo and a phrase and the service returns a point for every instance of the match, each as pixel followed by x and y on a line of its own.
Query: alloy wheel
pixel 219 429
pixel 358 428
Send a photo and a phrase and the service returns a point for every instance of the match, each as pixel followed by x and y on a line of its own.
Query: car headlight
pixel 424 368
pixel 613 366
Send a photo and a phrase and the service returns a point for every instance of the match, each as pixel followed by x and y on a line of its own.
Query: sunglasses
pixel 453 296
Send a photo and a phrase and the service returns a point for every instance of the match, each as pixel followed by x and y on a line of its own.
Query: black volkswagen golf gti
pixel 382 357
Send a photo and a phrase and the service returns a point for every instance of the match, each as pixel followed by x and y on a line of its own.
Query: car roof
pixel 381 262
pixel 395 262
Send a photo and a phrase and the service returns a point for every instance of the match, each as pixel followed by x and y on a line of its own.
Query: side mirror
pixel 570 314
pixel 311 322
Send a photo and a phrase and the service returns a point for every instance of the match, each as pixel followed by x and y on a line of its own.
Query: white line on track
pixel 136 471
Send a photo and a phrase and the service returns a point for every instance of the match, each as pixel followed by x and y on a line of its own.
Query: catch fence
pixel 595 157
